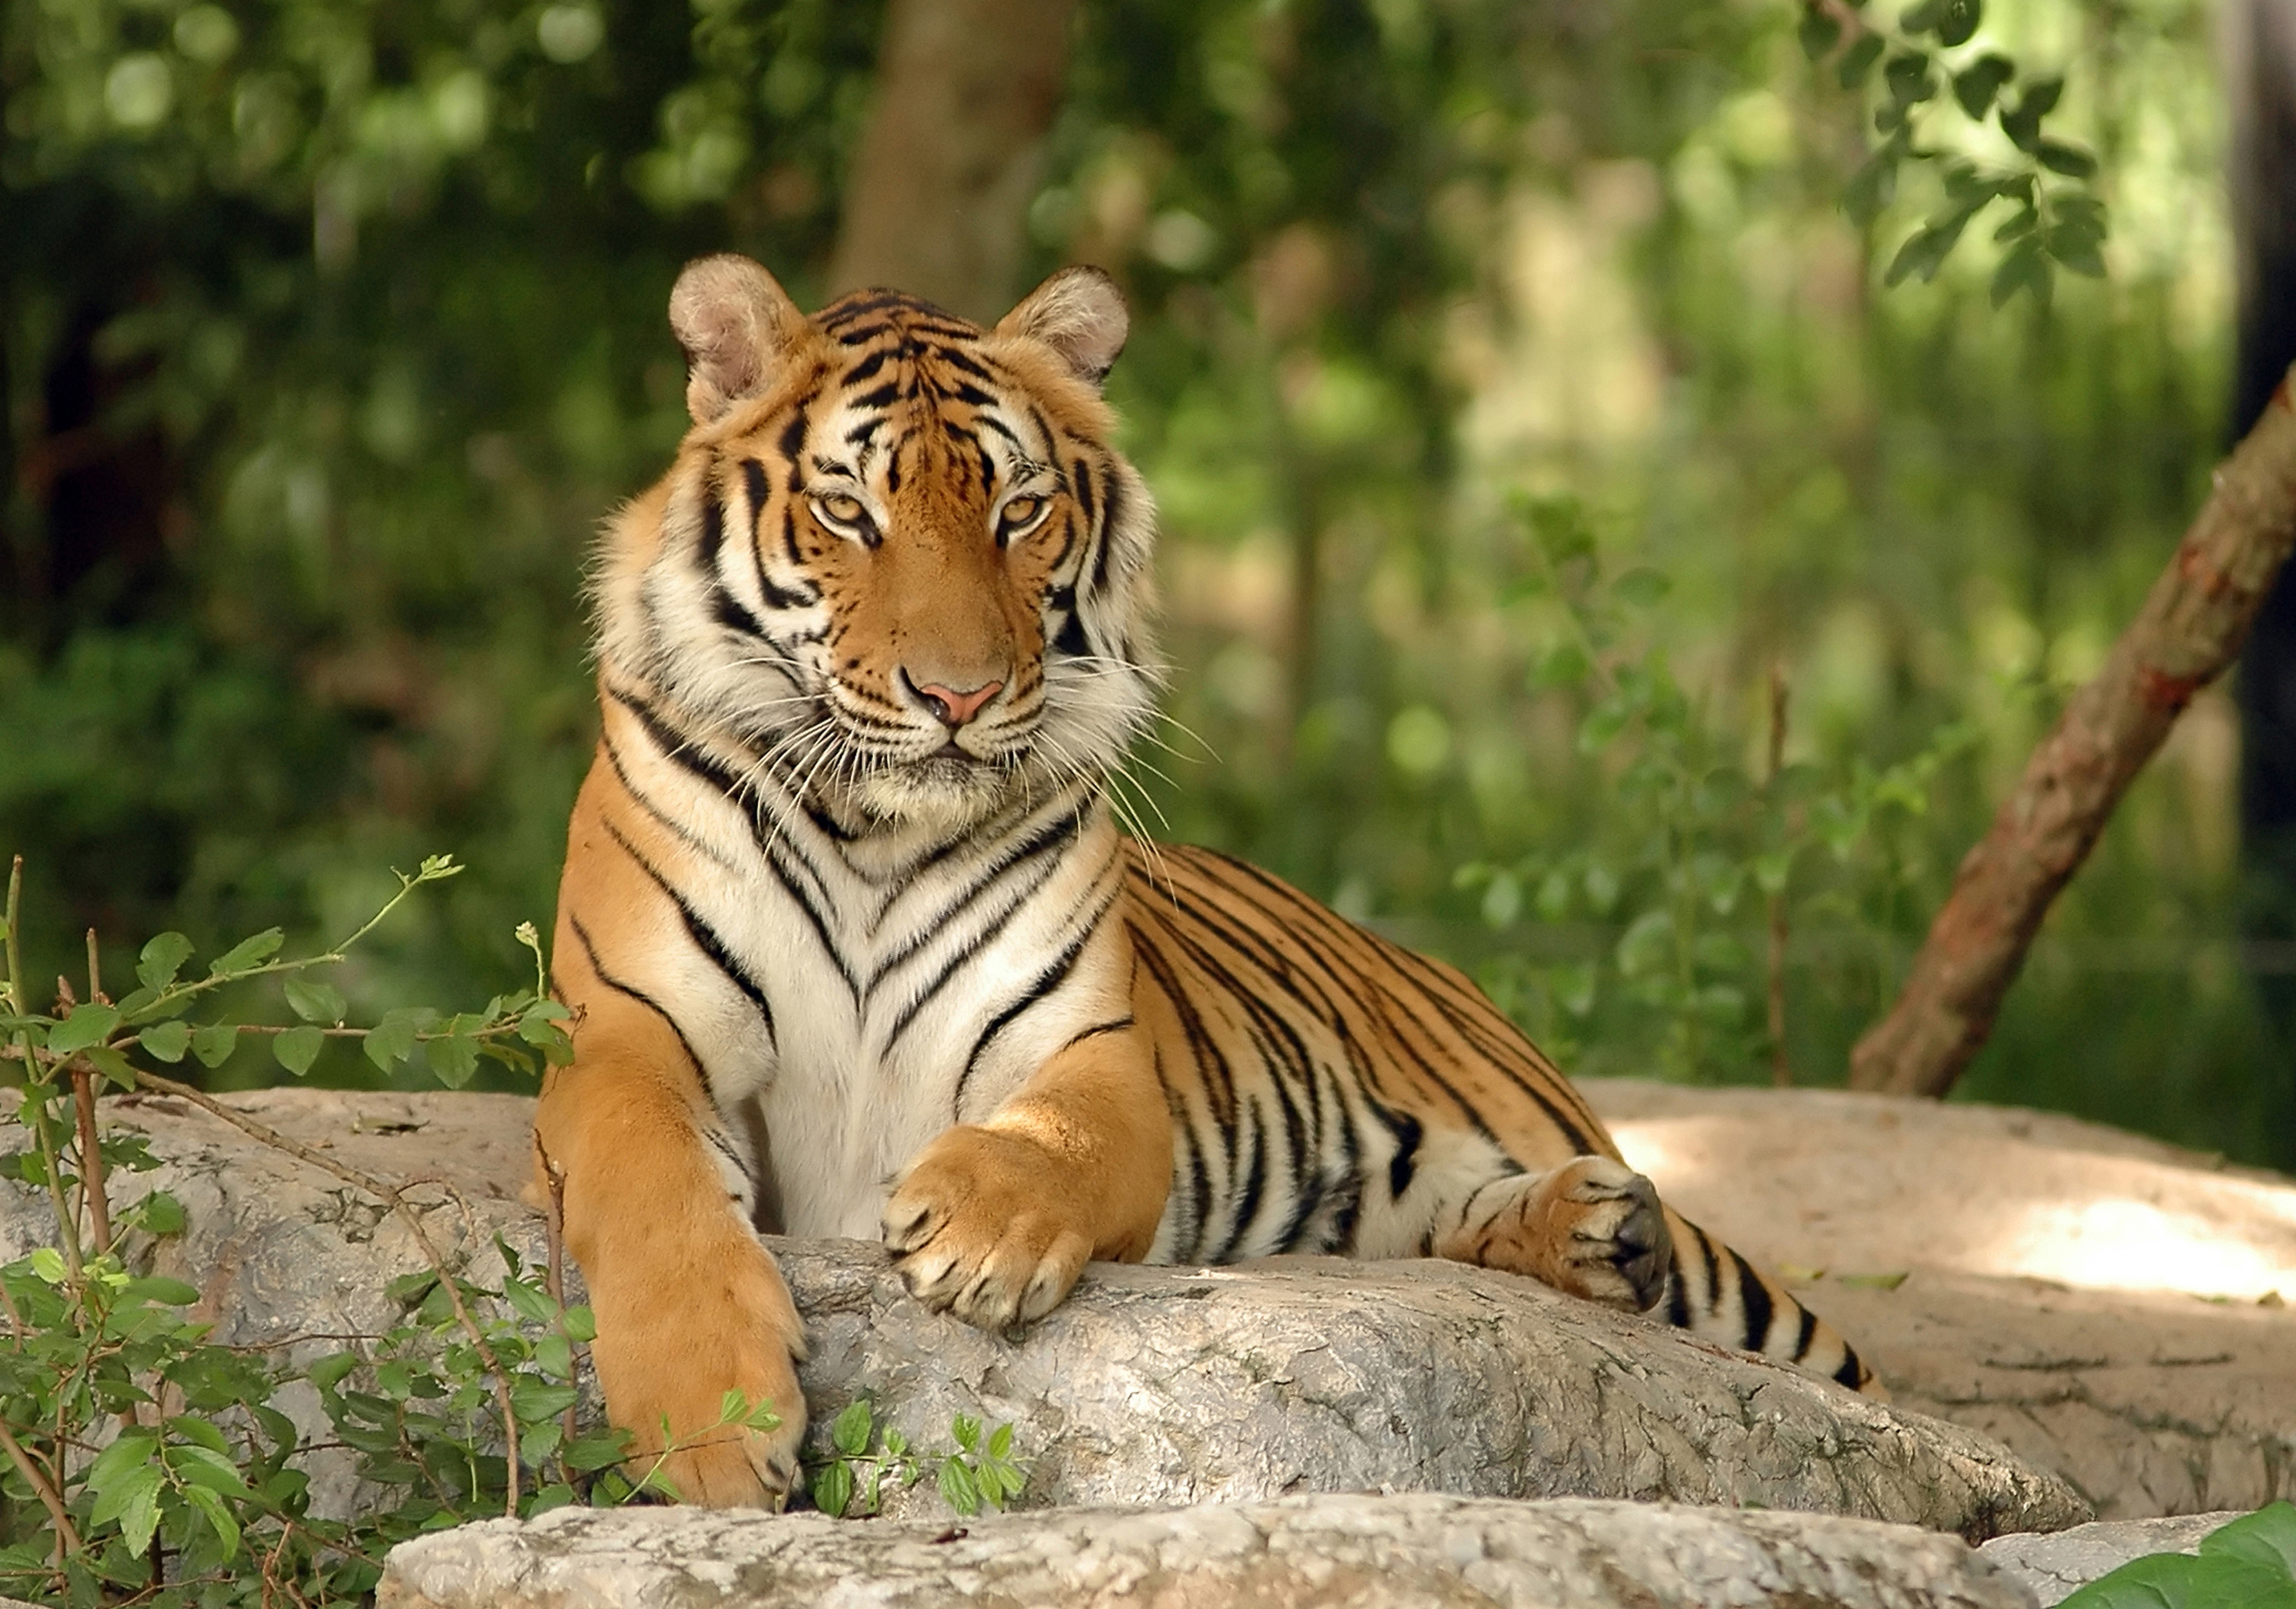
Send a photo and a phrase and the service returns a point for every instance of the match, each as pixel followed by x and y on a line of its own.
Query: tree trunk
pixel 2259 70
pixel 938 200
pixel 2192 625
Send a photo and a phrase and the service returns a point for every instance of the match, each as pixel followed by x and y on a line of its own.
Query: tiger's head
pixel 897 555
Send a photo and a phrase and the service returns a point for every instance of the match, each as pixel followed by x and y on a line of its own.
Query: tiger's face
pixel 897 555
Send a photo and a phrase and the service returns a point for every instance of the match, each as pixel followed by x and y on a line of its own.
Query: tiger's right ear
pixel 737 323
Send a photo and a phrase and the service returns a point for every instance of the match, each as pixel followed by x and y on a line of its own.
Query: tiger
pixel 854 945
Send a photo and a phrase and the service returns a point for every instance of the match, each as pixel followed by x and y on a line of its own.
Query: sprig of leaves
pixel 2249 1564
pixel 863 1455
pixel 2056 219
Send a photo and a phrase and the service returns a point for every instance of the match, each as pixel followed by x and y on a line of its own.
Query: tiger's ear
pixel 736 324
pixel 1079 314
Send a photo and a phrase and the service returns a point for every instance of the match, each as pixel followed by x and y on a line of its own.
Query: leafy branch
pixel 2055 218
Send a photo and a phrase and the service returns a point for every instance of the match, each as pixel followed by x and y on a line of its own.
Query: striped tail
pixel 1716 1294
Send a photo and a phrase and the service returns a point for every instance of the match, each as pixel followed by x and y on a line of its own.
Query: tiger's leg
pixel 1594 1228
pixel 994 1220
pixel 689 1304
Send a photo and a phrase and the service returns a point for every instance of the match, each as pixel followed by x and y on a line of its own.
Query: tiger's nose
pixel 949 706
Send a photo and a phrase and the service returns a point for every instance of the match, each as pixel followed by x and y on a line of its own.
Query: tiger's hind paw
pixel 1592 1227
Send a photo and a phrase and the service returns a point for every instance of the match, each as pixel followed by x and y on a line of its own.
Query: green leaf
pixel 1641 587
pixel 86 1025
pixel 1878 1282
pixel 1858 60
pixel 163 959
pixel 2075 249
pixel 848 1432
pixel 1000 1442
pixel 966 1430
pixel 212 1509
pixel 1958 20
pixel 581 1324
pixel 392 1040
pixel 2070 160
pixel 167 1042
pixel 329 1372
pixel 48 1264
pixel 958 1488
pixel 1603 723
pixel 162 1213
pixel 130 1452
pixel 1907 78
pixel 160 1288
pixel 297 1048
pixel 2266 1537
pixel 1976 84
pixel 1873 186
pixel 214 1044
pixel 1926 250
pixel 833 1488
pixel 248 953
pixel 2024 268
pixel 1565 665
pixel 2022 124
pixel 1818 32
pixel 314 1002
pixel 112 1065
pixel 453 1058
pixel 2157 1580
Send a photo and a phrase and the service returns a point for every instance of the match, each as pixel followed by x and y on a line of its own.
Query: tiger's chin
pixel 942 795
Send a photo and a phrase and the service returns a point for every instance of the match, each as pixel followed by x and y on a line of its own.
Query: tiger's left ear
pixel 737 325
pixel 1079 314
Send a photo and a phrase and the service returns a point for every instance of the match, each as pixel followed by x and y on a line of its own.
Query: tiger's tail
pixel 1715 1294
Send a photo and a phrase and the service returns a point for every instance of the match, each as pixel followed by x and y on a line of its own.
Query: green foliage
pixel 850 1476
pixel 2049 224
pixel 2249 1564
pixel 1694 845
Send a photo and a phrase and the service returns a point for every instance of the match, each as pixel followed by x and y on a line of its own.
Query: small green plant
pixel 863 1455
pixel 2056 219
pixel 2249 1564
pixel 148 1464
pixel 1696 844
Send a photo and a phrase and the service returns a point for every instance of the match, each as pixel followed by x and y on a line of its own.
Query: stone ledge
pixel 1333 1551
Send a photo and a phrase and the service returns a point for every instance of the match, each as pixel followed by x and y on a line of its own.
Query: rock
pixel 2050 1566
pixel 1149 1385
pixel 2089 1297
pixel 1334 1552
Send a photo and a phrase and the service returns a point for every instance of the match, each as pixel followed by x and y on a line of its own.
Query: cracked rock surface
pixel 1149 1385
pixel 2116 1310
pixel 2054 1566
pixel 1334 1552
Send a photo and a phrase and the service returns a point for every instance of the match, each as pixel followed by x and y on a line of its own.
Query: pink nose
pixel 954 709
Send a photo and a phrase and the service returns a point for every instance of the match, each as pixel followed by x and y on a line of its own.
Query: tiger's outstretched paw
pixel 981 1226
pixel 1592 1227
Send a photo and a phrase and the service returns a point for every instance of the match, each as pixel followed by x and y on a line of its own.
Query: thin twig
pixel 1781 1070
pixel 91 1157
pixel 67 1537
pixel 553 1222
pixel 390 1198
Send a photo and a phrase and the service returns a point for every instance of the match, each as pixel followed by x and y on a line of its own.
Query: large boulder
pixel 1149 1385
pixel 1333 1552
pixel 2118 1311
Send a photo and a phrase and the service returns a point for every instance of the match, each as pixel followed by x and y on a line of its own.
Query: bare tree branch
pixel 938 200
pixel 2192 625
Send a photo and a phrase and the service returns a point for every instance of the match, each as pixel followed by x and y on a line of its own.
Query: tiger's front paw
pixel 984 1225
pixel 667 1369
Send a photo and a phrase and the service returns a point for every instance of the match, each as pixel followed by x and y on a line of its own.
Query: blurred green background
pixel 333 327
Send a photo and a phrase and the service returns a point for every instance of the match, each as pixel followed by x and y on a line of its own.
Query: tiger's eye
pixel 1021 510
pixel 841 508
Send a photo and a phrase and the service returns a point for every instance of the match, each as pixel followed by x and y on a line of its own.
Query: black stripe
pixel 1045 983
pixel 867 369
pixel 1400 1167
pixel 880 397
pixel 590 953
pixel 1753 1302
pixel 793 445
pixel 1245 1207
pixel 1677 1298
pixel 677 829
pixel 1808 1333
pixel 1114 505
pixel 678 750
pixel 705 937
pixel 963 953
pixel 713 525
pixel 1853 1372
